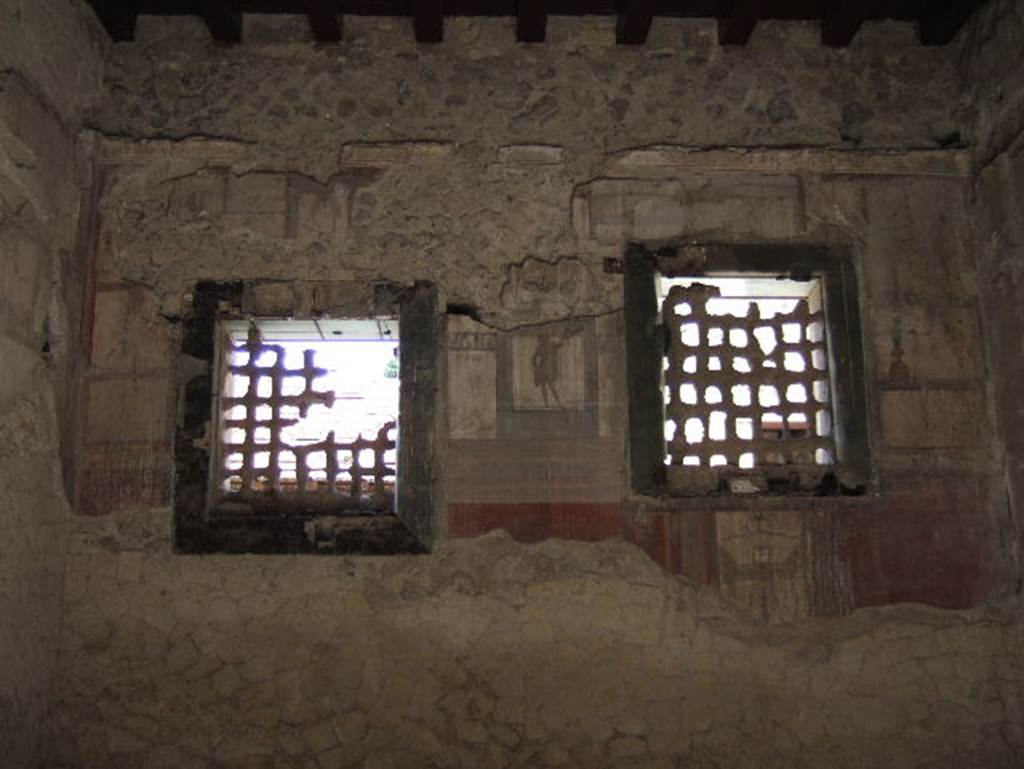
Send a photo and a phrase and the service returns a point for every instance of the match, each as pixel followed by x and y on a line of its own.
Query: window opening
pixel 308 414
pixel 745 371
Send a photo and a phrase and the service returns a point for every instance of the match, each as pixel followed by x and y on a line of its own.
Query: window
pixel 308 413
pixel 289 436
pixel 745 372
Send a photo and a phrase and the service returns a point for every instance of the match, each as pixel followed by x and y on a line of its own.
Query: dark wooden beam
pixel 323 20
pixel 224 20
pixel 428 20
pixel 634 22
pixel 531 21
pixel 843 19
pixel 940 22
pixel 645 347
pixel 118 17
pixel 737 20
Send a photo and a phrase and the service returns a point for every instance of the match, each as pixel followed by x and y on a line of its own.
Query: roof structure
pixel 938 20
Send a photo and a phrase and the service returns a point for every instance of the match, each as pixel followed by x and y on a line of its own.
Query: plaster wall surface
pixel 480 87
pixel 509 132
pixel 50 66
pixel 510 175
pixel 990 73
pixel 997 198
pixel 490 653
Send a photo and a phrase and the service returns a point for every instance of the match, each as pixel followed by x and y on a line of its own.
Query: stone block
pixel 125 409
pixel 917 419
pixel 472 394
pixel 128 332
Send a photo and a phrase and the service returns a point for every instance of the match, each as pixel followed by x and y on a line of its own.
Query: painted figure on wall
pixel 545 367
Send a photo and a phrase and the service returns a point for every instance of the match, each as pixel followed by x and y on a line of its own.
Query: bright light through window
pixel 746 380
pixel 311 407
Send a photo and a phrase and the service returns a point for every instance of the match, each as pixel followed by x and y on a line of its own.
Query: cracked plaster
pixel 50 67
pixel 491 653
pixel 487 653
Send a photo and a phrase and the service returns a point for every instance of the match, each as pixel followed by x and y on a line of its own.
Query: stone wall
pixel 993 80
pixel 514 176
pixel 990 75
pixel 482 89
pixel 489 653
pixel 50 55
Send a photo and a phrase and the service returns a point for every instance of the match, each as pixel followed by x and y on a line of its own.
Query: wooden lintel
pixel 940 22
pixel 224 20
pixel 843 19
pixel 531 21
pixel 118 17
pixel 323 20
pixel 428 20
pixel 737 23
pixel 634 22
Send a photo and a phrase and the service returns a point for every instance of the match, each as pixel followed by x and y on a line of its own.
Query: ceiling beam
pixel 323 20
pixel 224 20
pixel 737 21
pixel 428 20
pixel 843 19
pixel 940 22
pixel 531 21
pixel 118 17
pixel 634 22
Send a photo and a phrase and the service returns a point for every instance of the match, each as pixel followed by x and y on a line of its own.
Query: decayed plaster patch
pixel 170 207
pixel 491 653
pixel 50 67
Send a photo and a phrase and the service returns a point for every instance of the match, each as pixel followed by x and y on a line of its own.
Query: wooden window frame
pixel 645 348
pixel 202 528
